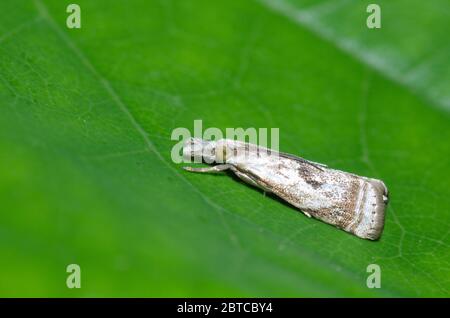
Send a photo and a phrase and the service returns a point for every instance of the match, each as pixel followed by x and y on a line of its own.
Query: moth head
pixel 199 150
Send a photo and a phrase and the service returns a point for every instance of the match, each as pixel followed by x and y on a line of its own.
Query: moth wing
pixel 300 159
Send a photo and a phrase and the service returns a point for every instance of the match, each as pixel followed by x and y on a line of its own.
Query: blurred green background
pixel 85 125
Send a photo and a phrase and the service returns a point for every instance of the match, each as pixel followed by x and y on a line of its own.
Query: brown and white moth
pixel 352 203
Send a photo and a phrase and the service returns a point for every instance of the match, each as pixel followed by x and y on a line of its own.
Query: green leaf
pixel 86 175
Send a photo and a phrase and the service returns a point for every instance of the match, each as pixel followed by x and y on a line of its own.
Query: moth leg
pixel 212 169
pixel 307 214
pixel 249 180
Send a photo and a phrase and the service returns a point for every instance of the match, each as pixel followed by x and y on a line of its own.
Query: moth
pixel 350 202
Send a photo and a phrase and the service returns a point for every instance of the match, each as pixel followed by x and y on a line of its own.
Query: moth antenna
pixel 214 169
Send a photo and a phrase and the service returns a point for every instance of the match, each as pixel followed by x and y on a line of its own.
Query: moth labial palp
pixel 350 202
